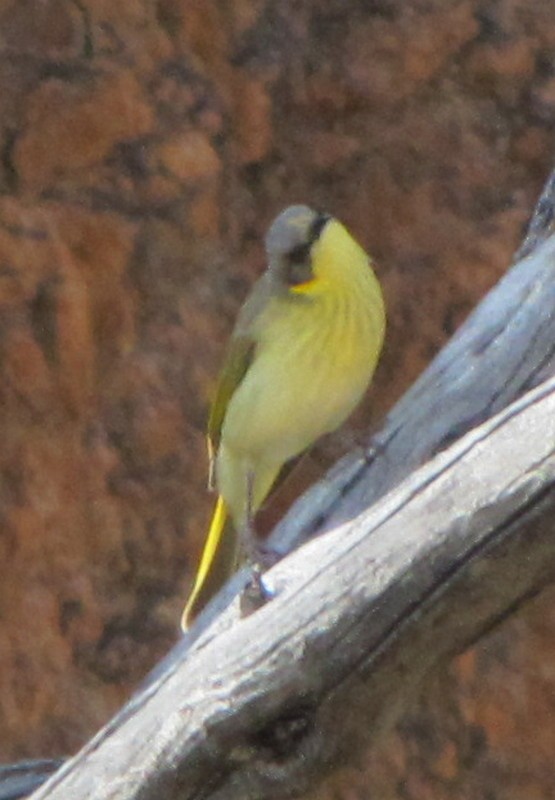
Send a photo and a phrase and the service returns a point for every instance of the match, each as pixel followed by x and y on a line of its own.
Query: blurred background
pixel 145 145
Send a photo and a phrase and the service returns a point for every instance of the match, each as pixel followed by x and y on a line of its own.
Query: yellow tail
pixel 217 563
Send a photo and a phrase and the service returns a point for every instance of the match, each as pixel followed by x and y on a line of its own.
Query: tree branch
pixel 363 613
pixel 263 707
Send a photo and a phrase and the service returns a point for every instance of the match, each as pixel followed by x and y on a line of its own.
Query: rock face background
pixel 144 148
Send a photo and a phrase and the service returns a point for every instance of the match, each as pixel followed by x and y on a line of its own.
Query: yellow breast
pixel 316 352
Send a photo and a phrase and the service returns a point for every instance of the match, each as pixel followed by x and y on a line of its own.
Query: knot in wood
pixel 280 738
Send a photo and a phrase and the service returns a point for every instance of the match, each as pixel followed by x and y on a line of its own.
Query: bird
pixel 300 358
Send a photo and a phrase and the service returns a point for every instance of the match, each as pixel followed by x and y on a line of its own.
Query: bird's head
pixel 308 251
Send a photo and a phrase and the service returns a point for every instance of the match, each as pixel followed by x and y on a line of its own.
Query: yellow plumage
pixel 302 354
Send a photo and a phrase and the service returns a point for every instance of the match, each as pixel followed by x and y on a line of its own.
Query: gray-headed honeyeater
pixel 302 353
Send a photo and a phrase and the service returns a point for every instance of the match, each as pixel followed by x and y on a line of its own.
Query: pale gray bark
pixel 262 707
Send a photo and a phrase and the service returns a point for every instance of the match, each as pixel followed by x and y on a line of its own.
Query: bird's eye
pixel 297 266
pixel 318 225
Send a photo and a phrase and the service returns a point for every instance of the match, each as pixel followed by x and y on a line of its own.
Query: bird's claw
pixel 256 593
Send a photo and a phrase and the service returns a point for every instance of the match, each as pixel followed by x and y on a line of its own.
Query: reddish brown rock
pixel 144 148
pixel 190 157
pixel 73 127
pixel 252 121
pixel 51 27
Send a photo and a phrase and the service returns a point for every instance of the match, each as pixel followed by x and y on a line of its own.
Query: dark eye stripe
pixel 319 223
pixel 297 262
pixel 297 265
pixel 297 273
pixel 299 254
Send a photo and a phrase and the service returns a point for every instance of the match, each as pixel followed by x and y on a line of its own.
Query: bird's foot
pixel 267 556
pixel 256 593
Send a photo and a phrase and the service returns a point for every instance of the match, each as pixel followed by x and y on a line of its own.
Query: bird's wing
pixel 238 359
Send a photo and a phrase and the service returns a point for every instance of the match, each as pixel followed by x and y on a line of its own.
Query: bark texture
pixel 265 707
pixel 144 148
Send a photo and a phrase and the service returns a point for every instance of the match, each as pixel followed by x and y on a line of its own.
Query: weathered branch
pixel 19 780
pixel 262 707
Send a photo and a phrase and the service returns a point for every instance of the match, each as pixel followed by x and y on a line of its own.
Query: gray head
pixel 289 241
